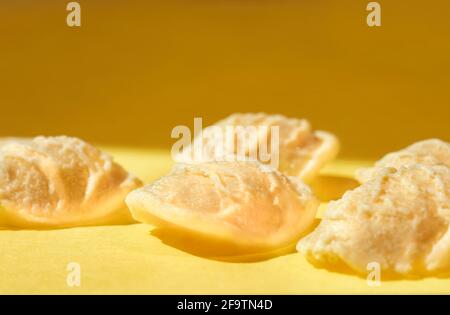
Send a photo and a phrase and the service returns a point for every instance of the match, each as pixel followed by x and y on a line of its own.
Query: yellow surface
pixel 129 259
pixel 136 69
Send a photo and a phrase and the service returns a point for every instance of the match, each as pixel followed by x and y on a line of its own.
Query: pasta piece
pixel 399 219
pixel 244 203
pixel 302 152
pixel 59 182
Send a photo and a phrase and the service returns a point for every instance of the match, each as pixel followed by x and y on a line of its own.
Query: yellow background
pixel 135 69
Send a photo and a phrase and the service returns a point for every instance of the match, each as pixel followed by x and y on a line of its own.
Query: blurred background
pixel 136 69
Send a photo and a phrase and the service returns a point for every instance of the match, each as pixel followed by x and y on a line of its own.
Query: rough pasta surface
pixel 302 151
pixel 426 152
pixel 245 203
pixel 58 182
pixel 400 219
